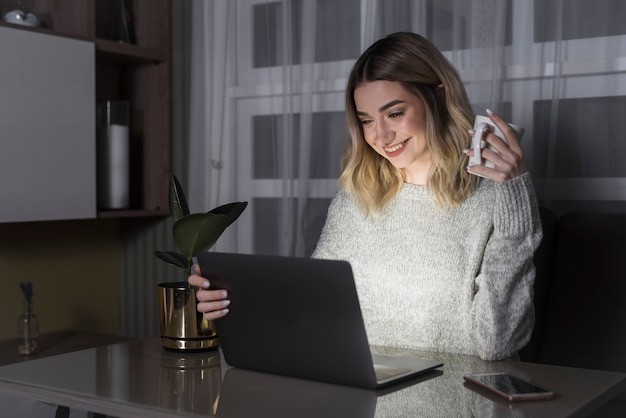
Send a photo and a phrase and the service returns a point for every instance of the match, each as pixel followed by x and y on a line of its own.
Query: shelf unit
pixel 137 71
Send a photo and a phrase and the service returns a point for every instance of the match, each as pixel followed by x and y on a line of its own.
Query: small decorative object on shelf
pixel 19 15
pixel 27 323
pixel 113 164
pixel 123 24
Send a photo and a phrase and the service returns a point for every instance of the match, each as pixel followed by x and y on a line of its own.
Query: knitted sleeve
pixel 502 312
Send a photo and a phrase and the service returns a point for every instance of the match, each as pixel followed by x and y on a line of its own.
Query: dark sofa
pixel 580 295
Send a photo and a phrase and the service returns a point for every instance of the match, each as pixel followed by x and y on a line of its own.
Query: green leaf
pixel 176 259
pixel 195 232
pixel 198 232
pixel 232 210
pixel 177 200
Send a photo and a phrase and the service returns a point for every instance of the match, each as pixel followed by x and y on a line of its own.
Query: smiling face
pixel 394 125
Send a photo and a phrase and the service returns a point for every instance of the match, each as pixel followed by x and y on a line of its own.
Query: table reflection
pixel 248 393
pixel 184 382
pixel 190 383
pixel 141 379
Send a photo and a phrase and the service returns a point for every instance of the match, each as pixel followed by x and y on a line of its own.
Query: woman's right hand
pixel 212 303
pixel 508 157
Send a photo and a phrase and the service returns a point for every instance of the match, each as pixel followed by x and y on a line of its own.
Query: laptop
pixel 299 317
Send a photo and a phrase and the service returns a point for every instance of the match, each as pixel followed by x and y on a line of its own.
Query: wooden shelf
pixel 108 214
pixel 112 51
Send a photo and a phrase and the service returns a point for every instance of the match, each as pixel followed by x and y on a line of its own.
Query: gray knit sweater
pixel 458 280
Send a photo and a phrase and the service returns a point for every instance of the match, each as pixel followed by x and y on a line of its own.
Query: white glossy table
pixel 140 379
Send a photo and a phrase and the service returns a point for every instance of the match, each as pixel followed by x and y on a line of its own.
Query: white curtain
pixel 259 97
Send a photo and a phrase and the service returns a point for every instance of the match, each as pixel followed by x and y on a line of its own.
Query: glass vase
pixel 27 330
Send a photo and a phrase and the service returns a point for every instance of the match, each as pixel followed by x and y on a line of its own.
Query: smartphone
pixel 511 387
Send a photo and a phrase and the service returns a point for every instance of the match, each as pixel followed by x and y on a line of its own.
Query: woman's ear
pixel 441 91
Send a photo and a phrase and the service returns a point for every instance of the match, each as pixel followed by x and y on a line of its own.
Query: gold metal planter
pixel 182 327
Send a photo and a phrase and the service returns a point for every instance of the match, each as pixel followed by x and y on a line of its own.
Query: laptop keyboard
pixel 385 372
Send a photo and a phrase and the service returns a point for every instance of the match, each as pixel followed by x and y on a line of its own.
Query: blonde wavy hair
pixel 425 72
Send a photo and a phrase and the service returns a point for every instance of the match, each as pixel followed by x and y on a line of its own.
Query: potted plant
pixel 182 326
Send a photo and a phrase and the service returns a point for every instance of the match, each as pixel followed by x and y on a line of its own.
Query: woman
pixel 442 258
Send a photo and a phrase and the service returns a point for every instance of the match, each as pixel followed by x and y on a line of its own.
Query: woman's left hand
pixel 508 161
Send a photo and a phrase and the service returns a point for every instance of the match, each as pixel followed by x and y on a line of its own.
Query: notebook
pixel 299 317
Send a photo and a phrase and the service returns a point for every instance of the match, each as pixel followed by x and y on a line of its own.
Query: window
pixel 602 18
pixel 290 129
